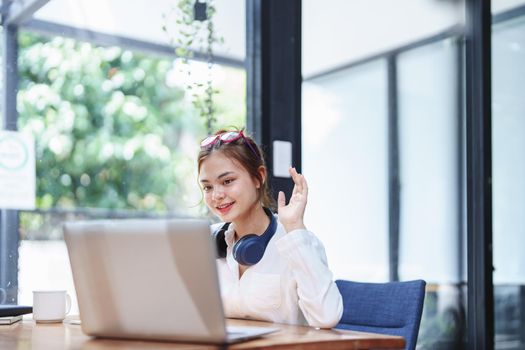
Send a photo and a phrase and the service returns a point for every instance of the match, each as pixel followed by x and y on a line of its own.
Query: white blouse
pixel 291 284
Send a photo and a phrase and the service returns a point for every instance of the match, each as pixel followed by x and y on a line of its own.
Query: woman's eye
pixel 228 181
pixel 206 189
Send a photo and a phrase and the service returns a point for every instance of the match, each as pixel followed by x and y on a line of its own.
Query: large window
pixel 116 136
pixel 345 160
pixel 115 128
pixel 383 150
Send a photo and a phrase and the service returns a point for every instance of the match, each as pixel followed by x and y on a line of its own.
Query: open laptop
pixel 150 279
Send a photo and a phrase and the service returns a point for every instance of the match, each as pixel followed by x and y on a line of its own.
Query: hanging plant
pixel 194 32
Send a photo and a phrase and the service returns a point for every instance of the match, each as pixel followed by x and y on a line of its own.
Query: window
pixel 345 140
pixel 116 136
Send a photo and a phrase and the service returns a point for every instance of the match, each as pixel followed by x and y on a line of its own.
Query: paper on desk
pixel 10 319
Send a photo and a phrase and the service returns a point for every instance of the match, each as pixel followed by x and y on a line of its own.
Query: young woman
pixel 272 268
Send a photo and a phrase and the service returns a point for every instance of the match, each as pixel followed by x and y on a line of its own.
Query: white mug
pixel 50 305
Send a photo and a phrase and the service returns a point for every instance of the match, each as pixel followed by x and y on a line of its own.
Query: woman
pixel 273 268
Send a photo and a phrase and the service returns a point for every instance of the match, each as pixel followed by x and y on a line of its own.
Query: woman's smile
pixel 225 208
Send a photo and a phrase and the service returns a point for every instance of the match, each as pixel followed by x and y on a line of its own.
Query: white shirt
pixel 291 284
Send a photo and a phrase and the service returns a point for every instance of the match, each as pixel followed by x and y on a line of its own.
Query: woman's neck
pixel 255 221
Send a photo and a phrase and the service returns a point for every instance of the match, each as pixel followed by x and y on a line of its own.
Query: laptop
pixel 150 279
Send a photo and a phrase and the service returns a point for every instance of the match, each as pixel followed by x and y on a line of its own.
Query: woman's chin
pixel 225 216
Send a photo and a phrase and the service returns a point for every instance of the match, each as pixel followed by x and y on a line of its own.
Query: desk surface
pixel 28 335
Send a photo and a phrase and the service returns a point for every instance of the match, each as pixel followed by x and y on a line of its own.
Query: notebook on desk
pixel 8 320
pixel 149 279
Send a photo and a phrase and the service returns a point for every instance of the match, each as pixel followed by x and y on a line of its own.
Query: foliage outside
pixel 114 129
pixel 190 32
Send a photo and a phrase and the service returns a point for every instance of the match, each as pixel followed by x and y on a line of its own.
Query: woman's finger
pixel 296 177
pixel 293 173
pixel 281 200
pixel 304 185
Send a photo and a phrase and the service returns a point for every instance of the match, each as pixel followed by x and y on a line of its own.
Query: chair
pixel 389 308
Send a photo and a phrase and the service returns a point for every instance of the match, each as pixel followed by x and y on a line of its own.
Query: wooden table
pixel 29 335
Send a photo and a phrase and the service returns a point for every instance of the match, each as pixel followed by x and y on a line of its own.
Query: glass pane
pixel 116 136
pixel 345 162
pixel 504 6
pixel 350 95
pixel 508 174
pixel 431 189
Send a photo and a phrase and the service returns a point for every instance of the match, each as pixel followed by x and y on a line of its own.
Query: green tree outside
pixel 112 129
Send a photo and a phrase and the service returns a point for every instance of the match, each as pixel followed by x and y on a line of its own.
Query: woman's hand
pixel 291 215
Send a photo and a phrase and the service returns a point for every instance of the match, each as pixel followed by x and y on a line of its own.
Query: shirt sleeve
pixel 319 297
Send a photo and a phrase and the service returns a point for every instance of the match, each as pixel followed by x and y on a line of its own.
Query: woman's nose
pixel 218 194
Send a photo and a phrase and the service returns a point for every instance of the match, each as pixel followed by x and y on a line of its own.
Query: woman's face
pixel 229 190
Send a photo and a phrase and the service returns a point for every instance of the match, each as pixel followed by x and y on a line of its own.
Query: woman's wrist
pixel 294 226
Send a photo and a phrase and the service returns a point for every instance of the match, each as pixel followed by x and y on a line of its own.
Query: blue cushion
pixel 393 308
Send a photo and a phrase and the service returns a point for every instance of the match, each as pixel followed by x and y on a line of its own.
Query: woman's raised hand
pixel 291 215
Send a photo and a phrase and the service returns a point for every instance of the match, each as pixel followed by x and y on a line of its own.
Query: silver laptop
pixel 149 279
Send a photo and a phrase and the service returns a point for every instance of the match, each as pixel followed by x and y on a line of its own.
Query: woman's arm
pixel 319 297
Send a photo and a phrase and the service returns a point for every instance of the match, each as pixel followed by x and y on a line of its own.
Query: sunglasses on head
pixel 226 137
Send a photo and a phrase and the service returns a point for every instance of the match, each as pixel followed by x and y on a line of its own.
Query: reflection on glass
pixel 508 174
pixel 345 161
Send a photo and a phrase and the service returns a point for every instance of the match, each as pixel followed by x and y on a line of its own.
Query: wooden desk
pixel 28 335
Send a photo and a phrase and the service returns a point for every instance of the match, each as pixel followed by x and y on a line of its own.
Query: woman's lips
pixel 223 209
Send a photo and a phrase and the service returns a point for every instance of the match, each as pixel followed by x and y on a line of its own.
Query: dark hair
pixel 244 154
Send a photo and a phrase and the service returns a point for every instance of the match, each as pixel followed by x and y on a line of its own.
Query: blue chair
pixel 392 308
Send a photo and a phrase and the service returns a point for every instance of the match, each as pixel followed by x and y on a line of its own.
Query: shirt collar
pixel 229 235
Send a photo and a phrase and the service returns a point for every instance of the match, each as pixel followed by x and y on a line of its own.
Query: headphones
pixel 248 250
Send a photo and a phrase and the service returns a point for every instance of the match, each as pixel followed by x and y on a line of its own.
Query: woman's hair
pixel 249 155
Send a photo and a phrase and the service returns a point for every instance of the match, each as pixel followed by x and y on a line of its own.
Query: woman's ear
pixel 263 174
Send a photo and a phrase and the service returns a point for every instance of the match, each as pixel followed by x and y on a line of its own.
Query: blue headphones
pixel 248 250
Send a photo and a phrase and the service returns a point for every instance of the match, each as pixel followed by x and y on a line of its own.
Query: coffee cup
pixel 50 305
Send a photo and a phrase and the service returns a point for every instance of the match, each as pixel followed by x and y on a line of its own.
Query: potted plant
pixel 190 27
